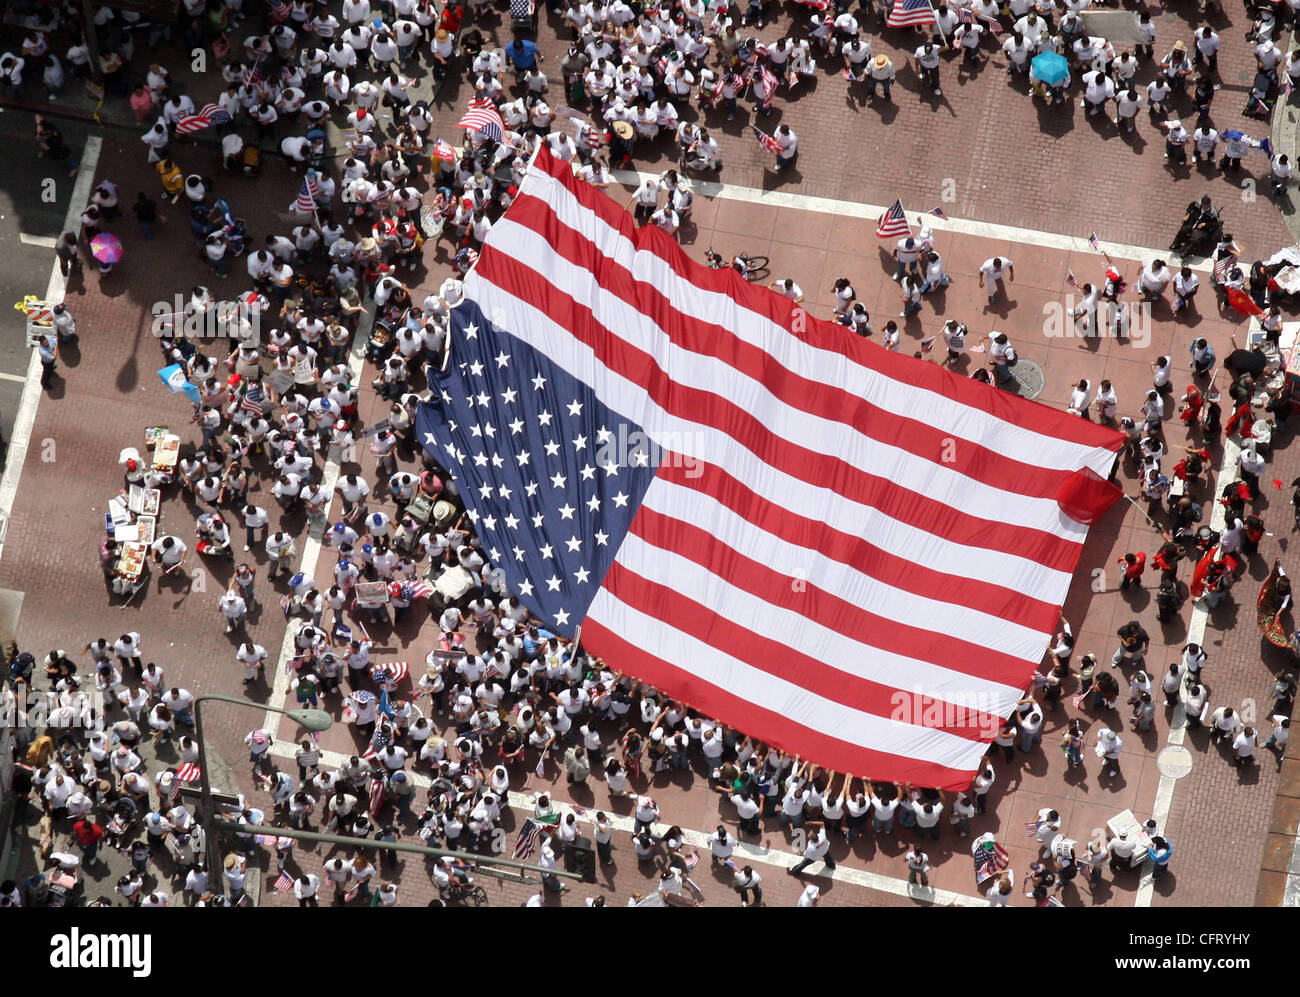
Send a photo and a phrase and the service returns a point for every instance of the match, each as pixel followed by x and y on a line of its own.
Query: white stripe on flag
pixel 826 575
pixel 770 692
pixel 714 447
pixel 789 351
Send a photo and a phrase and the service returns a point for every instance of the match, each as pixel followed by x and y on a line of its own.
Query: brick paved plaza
pixel 1015 178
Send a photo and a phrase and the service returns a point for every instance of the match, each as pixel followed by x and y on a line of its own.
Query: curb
pixel 1283 136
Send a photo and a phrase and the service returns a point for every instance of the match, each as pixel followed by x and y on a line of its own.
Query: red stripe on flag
pixel 808 534
pixel 776 657
pixel 705 407
pixel 707 339
pixel 779 730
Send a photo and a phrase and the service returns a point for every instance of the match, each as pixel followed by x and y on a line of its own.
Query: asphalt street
pixel 34 195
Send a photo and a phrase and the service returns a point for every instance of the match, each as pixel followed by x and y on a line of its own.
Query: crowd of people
pixel 501 694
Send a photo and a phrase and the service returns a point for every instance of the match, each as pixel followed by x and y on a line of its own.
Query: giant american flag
pixel 817 541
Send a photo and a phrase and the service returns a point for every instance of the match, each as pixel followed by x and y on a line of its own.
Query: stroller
pixel 1263 94
pixel 121 814
pixel 523 15
pixel 1199 233
pixel 64 880
pixel 316 157
pixel 235 231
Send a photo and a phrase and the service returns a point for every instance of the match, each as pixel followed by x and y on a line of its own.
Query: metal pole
pixel 92 41
pixel 207 815
pixel 396 846
pixel 216 877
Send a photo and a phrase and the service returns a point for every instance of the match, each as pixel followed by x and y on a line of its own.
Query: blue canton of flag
pixel 551 478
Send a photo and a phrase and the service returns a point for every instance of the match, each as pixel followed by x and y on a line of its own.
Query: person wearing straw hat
pixel 621 142
pixel 880 76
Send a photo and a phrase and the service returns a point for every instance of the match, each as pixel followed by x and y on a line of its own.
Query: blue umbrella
pixel 1050 67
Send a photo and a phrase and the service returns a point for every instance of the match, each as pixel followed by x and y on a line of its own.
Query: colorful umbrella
pixel 106 247
pixel 1050 67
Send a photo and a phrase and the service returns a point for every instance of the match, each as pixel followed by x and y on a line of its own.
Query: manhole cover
pixel 1029 378
pixel 1173 761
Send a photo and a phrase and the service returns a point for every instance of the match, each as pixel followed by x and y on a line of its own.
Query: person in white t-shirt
pixel 999 894
pixel 992 272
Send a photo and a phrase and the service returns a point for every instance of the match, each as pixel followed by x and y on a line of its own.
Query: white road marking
pixel 43 241
pixel 312 546
pixel 15 377
pixel 748 853
pixel 872 212
pixel 1195 635
pixel 21 437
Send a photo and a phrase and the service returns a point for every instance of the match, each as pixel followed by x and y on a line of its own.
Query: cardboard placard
pixel 372 591
pixel 279 381
pixel 376 429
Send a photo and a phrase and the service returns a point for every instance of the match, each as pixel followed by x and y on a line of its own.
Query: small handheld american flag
pixel 1070 280
pixel 254 399
pixel 990 860
pixel 765 141
pixel 1031 827
pixel 283 883
pixel 893 223
pixel 1223 267
pixel 306 203
pixel 209 114
pixel 1093 243
pixel 526 845
pixel 938 213
pixel 765 87
pixel 484 119
pixel 378 793
pixel 909 13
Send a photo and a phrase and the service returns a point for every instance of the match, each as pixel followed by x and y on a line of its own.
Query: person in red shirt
pixel 1168 556
pixel 451 18
pixel 1191 467
pixel 1192 402
pixel 88 834
pixel 1133 565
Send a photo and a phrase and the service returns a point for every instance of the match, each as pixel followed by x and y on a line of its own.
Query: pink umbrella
pixel 106 247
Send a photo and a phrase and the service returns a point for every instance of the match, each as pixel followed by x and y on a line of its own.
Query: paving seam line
pixel 871 212
pixel 1195 635
pixel 316 532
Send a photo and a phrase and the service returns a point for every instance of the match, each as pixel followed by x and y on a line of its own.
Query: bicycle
pixel 749 267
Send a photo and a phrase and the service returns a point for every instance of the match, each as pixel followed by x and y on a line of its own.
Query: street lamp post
pixel 317 720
